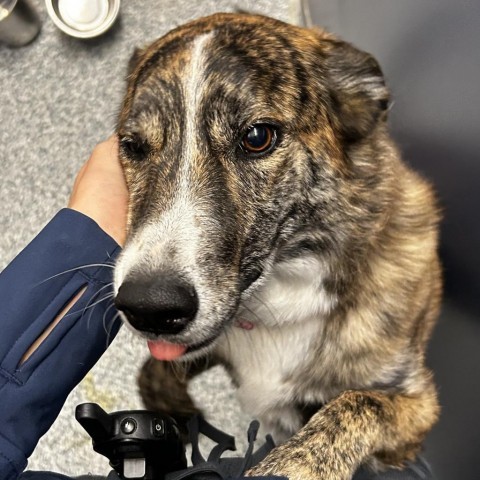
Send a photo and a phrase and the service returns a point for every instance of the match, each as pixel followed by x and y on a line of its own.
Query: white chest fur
pixel 287 315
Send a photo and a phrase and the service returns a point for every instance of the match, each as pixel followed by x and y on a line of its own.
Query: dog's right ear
pixel 134 60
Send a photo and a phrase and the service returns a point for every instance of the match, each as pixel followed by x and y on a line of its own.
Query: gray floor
pixel 58 98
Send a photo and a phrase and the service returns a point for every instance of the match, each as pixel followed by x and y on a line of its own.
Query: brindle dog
pixel 274 229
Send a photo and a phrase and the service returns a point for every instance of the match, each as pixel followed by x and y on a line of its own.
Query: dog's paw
pixel 293 464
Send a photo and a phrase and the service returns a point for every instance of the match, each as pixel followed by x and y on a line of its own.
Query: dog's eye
pixel 259 138
pixel 134 148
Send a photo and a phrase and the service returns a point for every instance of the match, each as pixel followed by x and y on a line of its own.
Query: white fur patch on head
pixel 177 226
pixel 193 90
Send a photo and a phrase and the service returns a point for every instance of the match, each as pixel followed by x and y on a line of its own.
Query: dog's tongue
pixel 166 351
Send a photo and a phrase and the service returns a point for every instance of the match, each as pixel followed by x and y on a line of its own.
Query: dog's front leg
pixel 349 430
pixel 164 387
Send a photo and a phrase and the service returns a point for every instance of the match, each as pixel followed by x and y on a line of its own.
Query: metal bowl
pixel 83 18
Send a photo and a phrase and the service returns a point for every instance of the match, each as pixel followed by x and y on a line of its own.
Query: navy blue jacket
pixel 70 253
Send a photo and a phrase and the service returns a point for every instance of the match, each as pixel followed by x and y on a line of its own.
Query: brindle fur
pixel 334 190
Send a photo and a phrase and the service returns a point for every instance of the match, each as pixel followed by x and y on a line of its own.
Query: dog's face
pixel 233 137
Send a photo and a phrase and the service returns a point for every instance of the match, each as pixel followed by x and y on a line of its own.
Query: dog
pixel 274 229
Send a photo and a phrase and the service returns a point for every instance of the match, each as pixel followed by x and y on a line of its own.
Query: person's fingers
pixel 107 149
pixel 100 190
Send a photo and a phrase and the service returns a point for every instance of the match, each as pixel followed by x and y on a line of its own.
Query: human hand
pixel 100 191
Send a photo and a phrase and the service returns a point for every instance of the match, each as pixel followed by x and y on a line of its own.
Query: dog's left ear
pixel 359 93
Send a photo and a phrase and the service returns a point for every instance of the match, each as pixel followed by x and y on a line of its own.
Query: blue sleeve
pixel 71 254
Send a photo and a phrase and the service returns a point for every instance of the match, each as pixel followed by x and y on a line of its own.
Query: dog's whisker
pixel 268 308
pixel 253 313
pixel 179 371
pixel 108 331
pixel 226 330
pixel 268 331
pixel 208 362
pixel 94 296
pixel 105 313
pixel 89 305
pixel 93 306
pixel 107 285
pixel 90 265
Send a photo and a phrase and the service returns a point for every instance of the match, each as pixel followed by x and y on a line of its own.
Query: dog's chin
pixel 196 352
pixel 199 350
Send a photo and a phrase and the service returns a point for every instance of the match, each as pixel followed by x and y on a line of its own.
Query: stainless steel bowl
pixel 83 18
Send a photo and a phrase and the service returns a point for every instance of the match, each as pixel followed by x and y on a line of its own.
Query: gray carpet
pixel 58 98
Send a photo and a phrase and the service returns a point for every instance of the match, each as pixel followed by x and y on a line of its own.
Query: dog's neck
pixel 288 284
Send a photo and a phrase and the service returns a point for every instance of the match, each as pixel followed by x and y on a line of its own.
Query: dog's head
pixel 233 135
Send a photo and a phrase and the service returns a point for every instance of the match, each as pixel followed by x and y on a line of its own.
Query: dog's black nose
pixel 161 305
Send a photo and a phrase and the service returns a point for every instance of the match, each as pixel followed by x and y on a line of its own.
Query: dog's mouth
pixel 166 351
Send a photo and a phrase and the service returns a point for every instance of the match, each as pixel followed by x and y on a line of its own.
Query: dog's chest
pixel 263 362
pixel 286 314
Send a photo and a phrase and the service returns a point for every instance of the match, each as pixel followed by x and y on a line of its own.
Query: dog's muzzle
pixel 162 305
